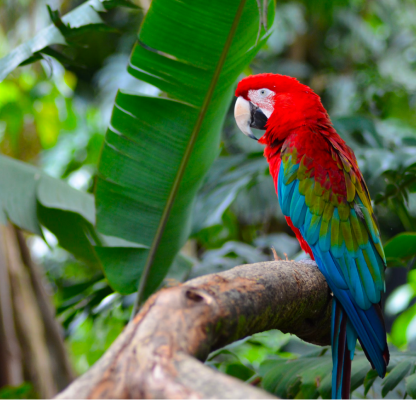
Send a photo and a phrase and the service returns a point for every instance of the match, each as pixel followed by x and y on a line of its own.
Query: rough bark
pixel 157 354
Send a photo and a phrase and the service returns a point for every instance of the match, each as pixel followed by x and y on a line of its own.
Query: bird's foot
pixel 276 257
pixel 287 258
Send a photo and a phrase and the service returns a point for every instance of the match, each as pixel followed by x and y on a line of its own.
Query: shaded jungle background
pixel 358 55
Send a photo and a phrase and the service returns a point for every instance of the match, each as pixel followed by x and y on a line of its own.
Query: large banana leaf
pixel 158 149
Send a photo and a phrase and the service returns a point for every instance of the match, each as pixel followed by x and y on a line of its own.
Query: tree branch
pixel 154 356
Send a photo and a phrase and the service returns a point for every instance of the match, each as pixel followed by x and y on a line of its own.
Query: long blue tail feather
pixel 367 323
pixel 342 339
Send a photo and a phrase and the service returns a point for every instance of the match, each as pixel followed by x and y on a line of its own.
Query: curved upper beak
pixel 248 116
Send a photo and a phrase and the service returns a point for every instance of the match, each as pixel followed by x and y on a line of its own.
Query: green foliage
pixel 400 304
pixel 309 376
pixel 46 102
pixel 24 391
pixel 359 56
pixel 396 375
pixel 158 150
pixel 94 334
pixel 82 19
pixel 243 358
pixel 401 247
pixel 33 198
pixel 411 386
pixel 226 179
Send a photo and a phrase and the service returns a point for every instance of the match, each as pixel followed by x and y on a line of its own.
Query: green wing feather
pixel 343 225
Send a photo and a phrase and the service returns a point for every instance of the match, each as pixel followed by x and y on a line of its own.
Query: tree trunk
pixel 31 342
pixel 157 354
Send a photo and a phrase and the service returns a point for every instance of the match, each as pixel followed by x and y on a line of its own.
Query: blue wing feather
pixel 325 235
pixel 287 192
pixel 299 212
pixel 366 279
pixel 353 269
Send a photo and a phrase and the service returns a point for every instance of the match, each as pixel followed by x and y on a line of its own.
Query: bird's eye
pixel 264 92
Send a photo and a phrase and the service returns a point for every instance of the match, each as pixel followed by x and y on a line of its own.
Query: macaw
pixel 325 201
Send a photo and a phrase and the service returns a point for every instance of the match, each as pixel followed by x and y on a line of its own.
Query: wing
pixel 331 207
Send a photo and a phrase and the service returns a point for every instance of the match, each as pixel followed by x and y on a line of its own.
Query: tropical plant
pixel 154 190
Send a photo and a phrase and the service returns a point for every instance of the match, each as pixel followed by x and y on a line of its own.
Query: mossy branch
pixel 157 354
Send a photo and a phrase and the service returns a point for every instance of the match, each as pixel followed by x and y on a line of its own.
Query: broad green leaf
pixel 402 245
pixel 300 377
pixel 282 378
pixel 325 386
pixel 395 376
pixel 310 375
pixel 395 262
pixel 359 369
pixel 76 289
pixel 18 182
pixel 29 198
pixel 369 380
pixel 411 386
pixel 92 295
pixel 84 17
pixel 72 231
pixel 400 332
pixel 350 124
pixel 227 177
pixel 179 270
pixel 118 263
pixel 239 370
pixel 55 193
pixel 158 149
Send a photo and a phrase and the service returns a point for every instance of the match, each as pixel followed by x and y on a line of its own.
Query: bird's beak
pixel 248 116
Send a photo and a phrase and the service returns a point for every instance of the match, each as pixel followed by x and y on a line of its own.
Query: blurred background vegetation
pixel 358 55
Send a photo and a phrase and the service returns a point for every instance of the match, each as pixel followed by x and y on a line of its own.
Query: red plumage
pixel 299 120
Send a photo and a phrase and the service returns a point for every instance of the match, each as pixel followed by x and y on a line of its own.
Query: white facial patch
pixel 262 98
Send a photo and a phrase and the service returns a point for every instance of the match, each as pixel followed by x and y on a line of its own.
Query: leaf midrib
pixel 179 175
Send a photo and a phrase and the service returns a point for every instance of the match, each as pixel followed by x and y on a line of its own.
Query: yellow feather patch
pixel 350 187
pixel 318 189
pixel 359 187
pixel 346 233
pixel 344 211
pixel 353 177
pixel 328 212
pixel 310 197
pixel 356 228
pixel 305 185
pixel 320 204
pixel 345 163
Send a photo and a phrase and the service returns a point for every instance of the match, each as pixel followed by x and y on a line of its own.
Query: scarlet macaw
pixel 326 202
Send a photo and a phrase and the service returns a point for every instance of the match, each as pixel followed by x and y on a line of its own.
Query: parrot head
pixel 277 104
